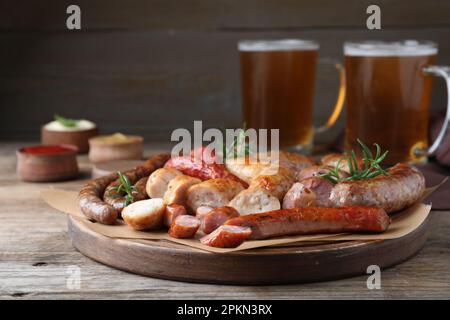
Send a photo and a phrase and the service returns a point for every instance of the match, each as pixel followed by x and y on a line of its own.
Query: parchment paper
pixel 403 223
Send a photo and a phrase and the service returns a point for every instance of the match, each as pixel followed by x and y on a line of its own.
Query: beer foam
pixel 384 49
pixel 277 45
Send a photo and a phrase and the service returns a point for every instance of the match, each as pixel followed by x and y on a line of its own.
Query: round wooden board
pixel 307 262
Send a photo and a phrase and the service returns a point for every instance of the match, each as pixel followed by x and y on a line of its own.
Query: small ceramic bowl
pixel 78 138
pixel 115 147
pixel 47 163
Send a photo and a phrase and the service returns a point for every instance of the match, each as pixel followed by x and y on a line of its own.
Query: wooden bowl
pixel 47 163
pixel 78 138
pixel 115 147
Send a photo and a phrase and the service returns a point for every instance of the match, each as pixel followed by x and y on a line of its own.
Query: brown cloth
pixel 434 174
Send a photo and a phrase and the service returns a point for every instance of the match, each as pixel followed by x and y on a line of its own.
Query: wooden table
pixel 36 257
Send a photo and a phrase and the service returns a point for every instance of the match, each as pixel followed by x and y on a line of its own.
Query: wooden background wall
pixel 148 66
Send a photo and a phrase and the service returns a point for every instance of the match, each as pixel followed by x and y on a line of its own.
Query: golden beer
pixel 277 81
pixel 388 96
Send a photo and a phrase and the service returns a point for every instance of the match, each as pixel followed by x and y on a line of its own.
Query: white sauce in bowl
pixel 80 126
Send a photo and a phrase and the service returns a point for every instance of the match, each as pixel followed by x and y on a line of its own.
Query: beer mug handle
pixel 339 102
pixel 444 72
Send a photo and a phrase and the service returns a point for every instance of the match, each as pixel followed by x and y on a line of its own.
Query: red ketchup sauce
pixel 47 150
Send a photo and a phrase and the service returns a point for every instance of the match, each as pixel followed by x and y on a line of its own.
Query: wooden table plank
pixel 35 253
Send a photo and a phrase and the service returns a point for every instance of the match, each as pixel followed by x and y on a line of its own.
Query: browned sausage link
pixel 276 184
pixel 403 187
pixel 226 237
pixel 172 212
pixel 313 221
pixel 217 217
pixel 138 177
pixel 333 159
pixel 91 203
pixel 316 171
pixel 184 226
pixel 156 162
pixel 118 199
pixel 310 192
pixel 90 196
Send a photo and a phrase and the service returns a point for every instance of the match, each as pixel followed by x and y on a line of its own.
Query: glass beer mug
pixel 277 81
pixel 388 97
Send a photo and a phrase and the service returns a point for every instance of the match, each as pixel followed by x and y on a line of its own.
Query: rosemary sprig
pixel 66 122
pixel 333 175
pixel 126 187
pixel 239 147
pixel 370 169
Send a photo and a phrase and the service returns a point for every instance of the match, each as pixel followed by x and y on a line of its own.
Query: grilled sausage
pixel 204 168
pixel 177 189
pixel 244 170
pixel 184 226
pixel 91 195
pixel 313 220
pixel 202 211
pixel 155 162
pixel 118 199
pixel 275 184
pixel 249 171
pixel 295 161
pixel 172 212
pixel 212 193
pixel 254 200
pixel 316 171
pixel 145 214
pixel 226 236
pixel 158 181
pixel 310 192
pixel 267 188
pixel 333 159
pixel 91 203
pixel 401 188
pixel 217 217
pixel 264 193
